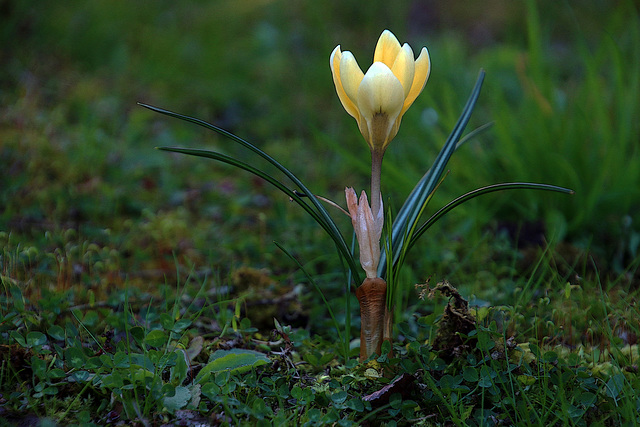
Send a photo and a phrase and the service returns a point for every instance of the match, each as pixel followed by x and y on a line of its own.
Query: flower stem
pixel 376 171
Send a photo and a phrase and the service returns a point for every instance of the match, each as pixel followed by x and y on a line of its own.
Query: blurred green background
pixel 80 180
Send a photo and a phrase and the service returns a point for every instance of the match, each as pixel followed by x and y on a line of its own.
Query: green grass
pixel 170 357
pixel 126 271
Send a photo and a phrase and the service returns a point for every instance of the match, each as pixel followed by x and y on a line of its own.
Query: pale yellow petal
pixel 349 105
pixel 421 75
pixel 380 100
pixel 387 49
pixel 403 67
pixel 350 76
pixel 334 63
pixel 380 92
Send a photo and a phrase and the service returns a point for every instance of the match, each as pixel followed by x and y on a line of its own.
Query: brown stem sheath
pixel 372 295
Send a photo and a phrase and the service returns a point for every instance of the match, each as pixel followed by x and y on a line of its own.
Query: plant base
pixel 375 319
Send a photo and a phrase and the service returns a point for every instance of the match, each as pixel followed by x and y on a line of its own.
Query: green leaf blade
pixel 411 210
pixel 234 361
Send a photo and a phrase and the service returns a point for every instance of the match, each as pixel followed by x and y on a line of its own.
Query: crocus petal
pixel 404 67
pixel 387 49
pixel 347 103
pixel 350 75
pixel 421 75
pixel 380 100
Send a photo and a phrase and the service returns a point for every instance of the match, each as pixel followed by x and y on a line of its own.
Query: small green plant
pixel 148 366
pixel 377 100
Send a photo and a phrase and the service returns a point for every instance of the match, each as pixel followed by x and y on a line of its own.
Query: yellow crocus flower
pixel 379 98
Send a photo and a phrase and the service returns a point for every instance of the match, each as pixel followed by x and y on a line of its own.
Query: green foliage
pixel 234 360
pixel 315 209
pixel 561 108
pixel 159 367
pixel 144 368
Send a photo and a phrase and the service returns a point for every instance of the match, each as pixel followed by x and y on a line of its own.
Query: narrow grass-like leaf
pixel 245 166
pixel 322 217
pixel 410 212
pixel 326 303
pixel 478 192
pixel 386 242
